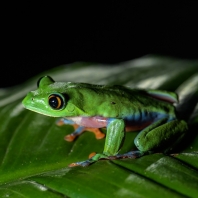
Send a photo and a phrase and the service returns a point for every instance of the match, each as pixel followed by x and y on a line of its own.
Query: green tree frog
pixel 115 107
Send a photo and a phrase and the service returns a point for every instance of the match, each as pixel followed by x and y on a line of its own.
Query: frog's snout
pixel 28 100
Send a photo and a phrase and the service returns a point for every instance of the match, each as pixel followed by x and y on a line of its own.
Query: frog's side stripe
pixel 140 121
pixel 163 95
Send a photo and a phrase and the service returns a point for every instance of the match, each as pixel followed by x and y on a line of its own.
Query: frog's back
pixel 116 100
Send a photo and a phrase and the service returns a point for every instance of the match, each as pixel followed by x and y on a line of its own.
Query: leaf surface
pixel 34 157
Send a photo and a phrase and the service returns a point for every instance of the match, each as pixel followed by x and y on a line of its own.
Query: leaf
pixel 34 156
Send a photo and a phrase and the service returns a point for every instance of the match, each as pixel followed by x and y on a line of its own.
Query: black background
pixel 34 40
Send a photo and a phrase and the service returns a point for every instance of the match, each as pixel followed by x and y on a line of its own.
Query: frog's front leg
pixel 79 130
pixel 113 141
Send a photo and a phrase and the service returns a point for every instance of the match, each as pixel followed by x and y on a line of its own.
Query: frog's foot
pixel 83 163
pixel 93 159
pixel 96 157
pixel 130 154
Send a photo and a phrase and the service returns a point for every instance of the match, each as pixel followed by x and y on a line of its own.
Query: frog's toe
pixel 83 163
pixel 130 154
pixel 92 154
pixel 70 138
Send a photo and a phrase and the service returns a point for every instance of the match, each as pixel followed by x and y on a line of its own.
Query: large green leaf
pixel 34 156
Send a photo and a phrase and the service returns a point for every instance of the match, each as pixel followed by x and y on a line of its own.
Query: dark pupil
pixel 55 102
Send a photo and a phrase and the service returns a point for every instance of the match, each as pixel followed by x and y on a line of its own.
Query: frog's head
pixel 49 99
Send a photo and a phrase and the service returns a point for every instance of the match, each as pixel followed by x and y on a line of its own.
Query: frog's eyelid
pixel 39 80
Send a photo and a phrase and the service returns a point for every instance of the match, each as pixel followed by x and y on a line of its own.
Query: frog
pixel 119 109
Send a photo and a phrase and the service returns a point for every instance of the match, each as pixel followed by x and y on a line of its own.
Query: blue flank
pixel 144 117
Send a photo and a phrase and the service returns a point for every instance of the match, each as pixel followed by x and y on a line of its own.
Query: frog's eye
pixel 56 101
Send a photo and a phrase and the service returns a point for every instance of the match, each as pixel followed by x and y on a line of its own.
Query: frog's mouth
pixel 40 111
pixel 30 104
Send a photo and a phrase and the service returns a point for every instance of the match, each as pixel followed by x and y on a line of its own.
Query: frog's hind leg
pixel 130 154
pixel 97 156
pixel 161 135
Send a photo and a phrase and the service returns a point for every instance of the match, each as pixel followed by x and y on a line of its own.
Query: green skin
pixel 116 108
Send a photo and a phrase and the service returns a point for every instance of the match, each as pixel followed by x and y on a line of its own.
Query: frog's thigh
pixel 160 134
